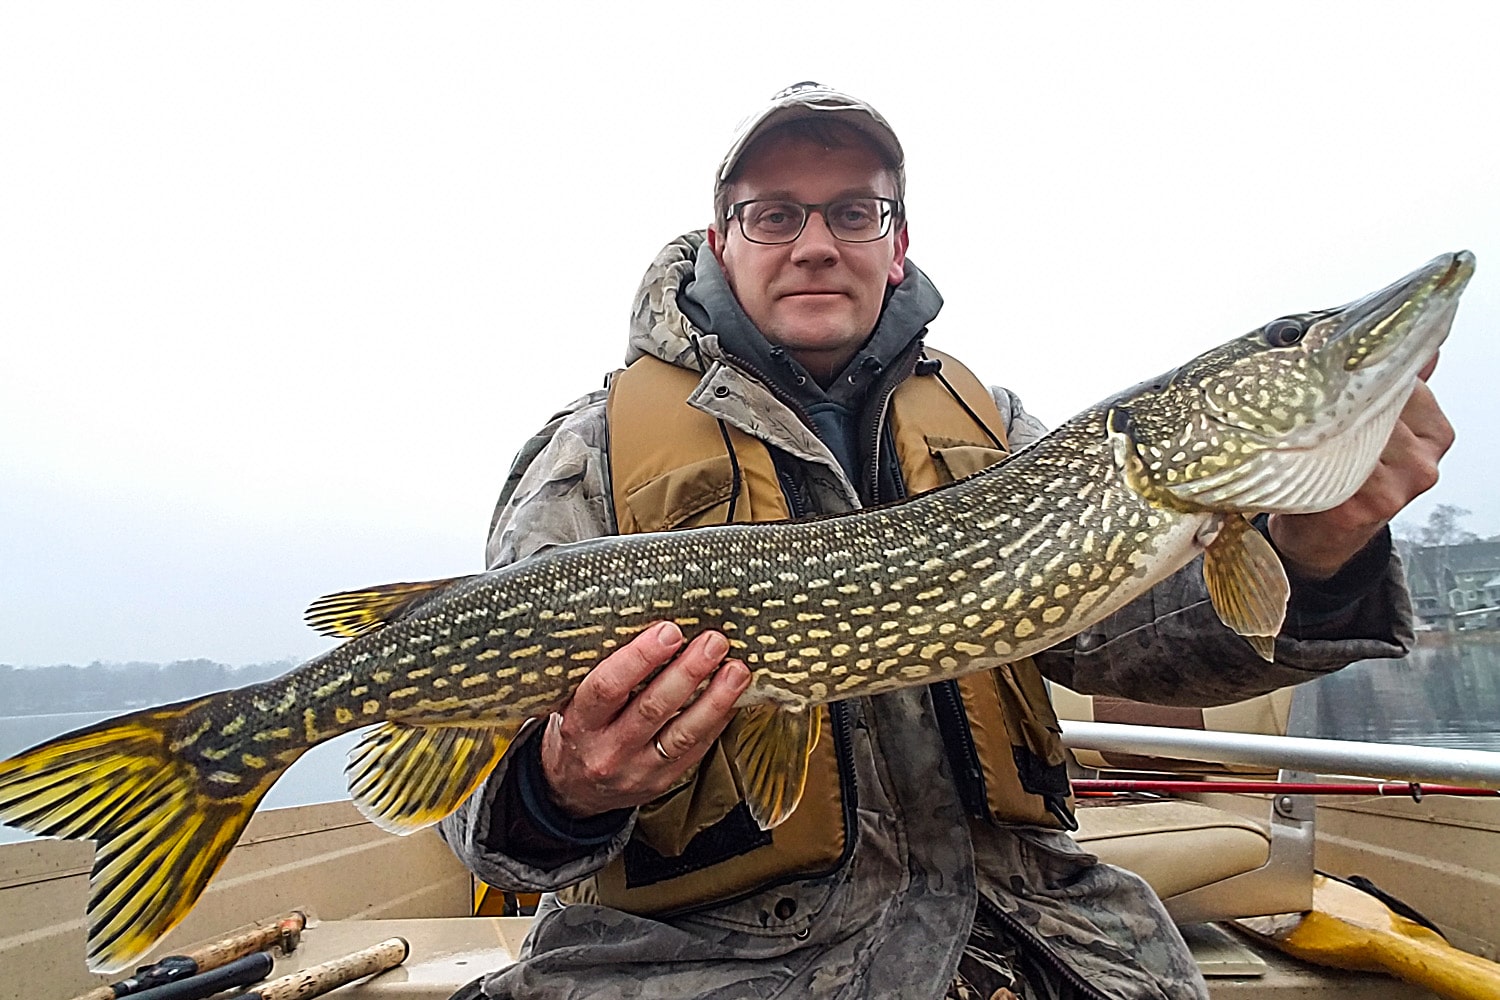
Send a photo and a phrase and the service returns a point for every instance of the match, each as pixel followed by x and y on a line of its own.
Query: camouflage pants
pixel 994 968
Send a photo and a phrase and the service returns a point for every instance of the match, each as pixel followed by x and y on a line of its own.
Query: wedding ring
pixel 656 742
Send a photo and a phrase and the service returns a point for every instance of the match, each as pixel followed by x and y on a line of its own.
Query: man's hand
pixel 601 752
pixel 1316 546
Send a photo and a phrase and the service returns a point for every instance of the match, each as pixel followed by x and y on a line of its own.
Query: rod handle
pixel 321 979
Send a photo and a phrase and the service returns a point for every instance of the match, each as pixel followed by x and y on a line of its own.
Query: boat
pixel 1212 855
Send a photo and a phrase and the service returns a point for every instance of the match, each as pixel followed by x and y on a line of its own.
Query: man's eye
pixel 773 216
pixel 855 214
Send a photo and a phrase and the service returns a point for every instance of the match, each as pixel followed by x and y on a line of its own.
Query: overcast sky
pixel 283 286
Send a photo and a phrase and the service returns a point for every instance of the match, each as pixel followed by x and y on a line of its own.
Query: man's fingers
pixel 605 691
pixel 670 690
pixel 1426 372
pixel 701 722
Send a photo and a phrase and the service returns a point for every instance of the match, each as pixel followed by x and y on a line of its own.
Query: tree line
pixel 112 687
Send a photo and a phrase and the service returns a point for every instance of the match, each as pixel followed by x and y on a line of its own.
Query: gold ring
pixel 656 742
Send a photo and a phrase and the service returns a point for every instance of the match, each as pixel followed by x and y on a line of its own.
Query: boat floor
pixel 447 953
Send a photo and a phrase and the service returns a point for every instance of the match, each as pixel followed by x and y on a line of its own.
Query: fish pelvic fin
pixel 403 778
pixel 772 747
pixel 162 828
pixel 353 613
pixel 1247 584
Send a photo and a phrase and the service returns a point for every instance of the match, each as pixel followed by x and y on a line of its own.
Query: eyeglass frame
pixel 894 210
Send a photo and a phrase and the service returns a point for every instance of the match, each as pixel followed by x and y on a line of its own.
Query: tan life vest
pixel 697 844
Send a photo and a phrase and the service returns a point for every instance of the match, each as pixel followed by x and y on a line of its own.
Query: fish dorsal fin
pixel 404 778
pixel 772 745
pixel 1247 583
pixel 352 613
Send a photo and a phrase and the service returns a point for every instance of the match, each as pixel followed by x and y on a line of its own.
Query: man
pixel 779 368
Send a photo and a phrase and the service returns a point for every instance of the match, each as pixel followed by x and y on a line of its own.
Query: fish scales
pixel 1288 418
pixel 818 610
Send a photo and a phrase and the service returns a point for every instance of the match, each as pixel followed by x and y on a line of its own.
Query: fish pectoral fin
pixel 1247 584
pixel 162 827
pixel 403 778
pixel 772 747
pixel 352 613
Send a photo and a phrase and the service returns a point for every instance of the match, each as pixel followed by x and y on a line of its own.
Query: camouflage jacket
pixel 894 920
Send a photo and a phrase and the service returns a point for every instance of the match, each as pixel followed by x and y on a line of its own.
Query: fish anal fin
pixel 352 613
pixel 772 745
pixel 160 828
pixel 1247 583
pixel 404 778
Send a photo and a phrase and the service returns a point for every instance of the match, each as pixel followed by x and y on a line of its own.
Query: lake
pixel 1446 693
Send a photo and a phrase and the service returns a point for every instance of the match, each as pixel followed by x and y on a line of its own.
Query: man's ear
pixel 897 272
pixel 716 244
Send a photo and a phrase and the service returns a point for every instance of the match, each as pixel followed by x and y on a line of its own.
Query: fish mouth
pixel 1369 353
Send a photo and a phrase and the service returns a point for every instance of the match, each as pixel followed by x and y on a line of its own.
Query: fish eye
pixel 1283 332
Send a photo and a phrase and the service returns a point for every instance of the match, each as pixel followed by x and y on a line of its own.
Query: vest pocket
pixel 683 497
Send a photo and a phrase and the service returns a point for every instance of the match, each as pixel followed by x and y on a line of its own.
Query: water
pixel 1446 694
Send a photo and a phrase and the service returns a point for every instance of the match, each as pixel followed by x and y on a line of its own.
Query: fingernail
pixel 669 635
pixel 715 646
pixel 739 674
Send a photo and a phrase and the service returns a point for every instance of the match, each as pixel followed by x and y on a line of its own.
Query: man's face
pixel 819 297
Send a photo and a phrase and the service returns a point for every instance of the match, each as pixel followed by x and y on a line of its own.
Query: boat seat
pixel 1174 844
pixel 1209 857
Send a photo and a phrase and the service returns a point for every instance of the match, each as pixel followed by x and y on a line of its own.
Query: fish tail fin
pixel 162 828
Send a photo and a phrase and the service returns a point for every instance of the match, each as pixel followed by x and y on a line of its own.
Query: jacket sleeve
pixel 506 833
pixel 1168 647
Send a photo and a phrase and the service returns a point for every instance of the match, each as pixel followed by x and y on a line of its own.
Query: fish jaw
pixel 1261 426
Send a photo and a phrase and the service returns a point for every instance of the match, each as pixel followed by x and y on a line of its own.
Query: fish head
pixel 1291 417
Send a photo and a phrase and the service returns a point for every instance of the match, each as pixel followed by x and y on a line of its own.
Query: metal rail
pixel 1479 768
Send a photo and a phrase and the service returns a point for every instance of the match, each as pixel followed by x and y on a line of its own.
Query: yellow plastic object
pixel 1350 929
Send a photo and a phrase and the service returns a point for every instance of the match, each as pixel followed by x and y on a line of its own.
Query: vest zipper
pixel 958 740
pixel 1038 950
pixel 908 365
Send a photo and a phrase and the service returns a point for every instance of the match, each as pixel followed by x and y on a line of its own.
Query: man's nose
pixel 816 243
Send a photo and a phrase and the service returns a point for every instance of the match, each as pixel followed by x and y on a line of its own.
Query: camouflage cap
pixel 814 100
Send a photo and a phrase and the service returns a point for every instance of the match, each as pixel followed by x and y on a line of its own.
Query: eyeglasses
pixel 772 221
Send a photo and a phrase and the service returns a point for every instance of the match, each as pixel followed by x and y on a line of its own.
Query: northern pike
pixel 1289 418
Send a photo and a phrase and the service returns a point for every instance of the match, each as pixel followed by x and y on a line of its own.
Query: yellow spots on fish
pixel 370 707
pixel 1062 589
pixel 1052 614
pixel 1012 600
pixel 1024 628
pixel 233 727
pixel 343 715
pixel 530 677
pixel 968 649
pixel 994 628
pixel 585 655
pixel 839 649
pixel 406 692
pixel 273 735
pixel 407 660
pixel 527 652
pixel 416 675
pixel 932 649
pixel 919 629
pixel 971 620
pixel 310 724
pixel 915 670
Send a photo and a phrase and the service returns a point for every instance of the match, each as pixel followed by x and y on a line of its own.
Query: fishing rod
pixel 1415 790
